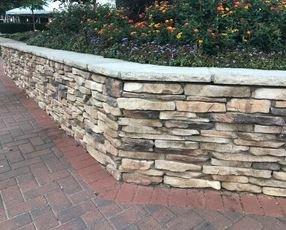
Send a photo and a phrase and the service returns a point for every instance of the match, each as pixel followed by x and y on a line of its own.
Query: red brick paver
pixel 48 181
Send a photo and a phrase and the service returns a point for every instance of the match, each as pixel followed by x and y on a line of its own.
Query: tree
pixel 92 2
pixel 7 5
pixel 33 5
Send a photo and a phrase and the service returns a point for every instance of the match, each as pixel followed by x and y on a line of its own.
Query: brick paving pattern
pixel 48 181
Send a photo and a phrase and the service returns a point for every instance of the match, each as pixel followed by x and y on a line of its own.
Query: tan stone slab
pixel 236 179
pixel 144 122
pixel 175 115
pixel 279 175
pixel 236 164
pixel 270 93
pixel 274 191
pixel 226 148
pixel 249 105
pixel 176 166
pixel 141 179
pixel 267 129
pixel 191 183
pixel 141 155
pixel 245 157
pixel 130 164
pixel 153 88
pixel 200 107
pixel 241 187
pixel 267 151
pixel 268 182
pixel 216 91
pixel 223 170
pixel 164 144
pixel 142 104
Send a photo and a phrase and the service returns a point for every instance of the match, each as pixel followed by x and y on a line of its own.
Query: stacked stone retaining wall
pixel 221 134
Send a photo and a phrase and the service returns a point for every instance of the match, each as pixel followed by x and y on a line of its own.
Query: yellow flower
pixel 179 35
pixel 200 41
pixel 157 26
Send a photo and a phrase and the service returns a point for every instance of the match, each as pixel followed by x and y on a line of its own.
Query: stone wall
pixel 179 134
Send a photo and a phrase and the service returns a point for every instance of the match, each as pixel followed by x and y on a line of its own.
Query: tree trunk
pixel 33 19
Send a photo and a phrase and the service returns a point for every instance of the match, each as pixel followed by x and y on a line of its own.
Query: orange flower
pixel 170 29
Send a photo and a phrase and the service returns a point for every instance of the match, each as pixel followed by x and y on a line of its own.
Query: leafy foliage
pixel 182 32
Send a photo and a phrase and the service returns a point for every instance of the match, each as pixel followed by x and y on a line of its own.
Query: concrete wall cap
pixel 145 72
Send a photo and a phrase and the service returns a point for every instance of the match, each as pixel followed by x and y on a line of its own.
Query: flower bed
pixel 223 33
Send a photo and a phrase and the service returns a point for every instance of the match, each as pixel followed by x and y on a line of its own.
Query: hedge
pixel 10 28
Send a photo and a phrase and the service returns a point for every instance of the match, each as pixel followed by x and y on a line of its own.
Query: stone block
pixel 270 93
pixel 138 178
pixel 153 88
pixel 184 132
pixel 274 191
pixel 241 118
pixel 280 104
pixel 141 155
pixel 100 157
pixel 84 74
pixel 267 151
pixel 113 87
pixel 186 175
pixel 279 175
pixel 224 171
pixel 137 144
pixel 176 166
pixel 188 158
pixel 241 187
pixel 141 114
pixel 92 85
pixel 238 164
pixel 244 157
pixel 200 107
pixel 249 105
pixel 163 144
pixel 111 110
pixel 266 165
pixel 141 129
pixel 233 127
pixel 268 182
pixel 175 115
pixel 142 104
pixel 228 148
pixel 235 179
pixel 139 122
pixel 267 129
pixel 216 91
pixel 278 112
pixel 191 183
pixel 130 164
pixel 271 144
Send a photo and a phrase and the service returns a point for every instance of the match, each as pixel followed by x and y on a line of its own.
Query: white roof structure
pixel 111 2
pixel 48 9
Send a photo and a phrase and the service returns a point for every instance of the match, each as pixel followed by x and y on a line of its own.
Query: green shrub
pixel 182 33
pixel 10 28
pixel 134 7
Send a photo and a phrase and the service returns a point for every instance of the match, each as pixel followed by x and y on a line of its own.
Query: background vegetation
pixel 229 33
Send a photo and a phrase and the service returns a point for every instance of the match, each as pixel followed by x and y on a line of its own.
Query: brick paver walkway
pixel 47 181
